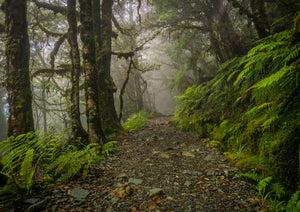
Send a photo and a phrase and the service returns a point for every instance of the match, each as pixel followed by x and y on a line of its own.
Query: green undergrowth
pixel 136 122
pixel 270 194
pixel 35 162
pixel 251 109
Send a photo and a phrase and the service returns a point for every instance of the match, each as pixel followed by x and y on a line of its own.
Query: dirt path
pixel 158 169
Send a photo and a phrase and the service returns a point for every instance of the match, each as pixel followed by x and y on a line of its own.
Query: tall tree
pixel 77 129
pixel 257 15
pixel 259 18
pixel 3 124
pixel 17 52
pixel 91 83
pixel 107 87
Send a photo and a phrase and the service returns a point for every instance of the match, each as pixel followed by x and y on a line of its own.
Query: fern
pixel 293 204
pixel 271 80
pixel 253 176
pixel 28 169
pixel 23 153
pixel 74 161
pixel 136 122
pixel 262 185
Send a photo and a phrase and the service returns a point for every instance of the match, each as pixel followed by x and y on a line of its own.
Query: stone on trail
pixel 32 200
pixel 156 191
pixel 148 205
pixel 164 155
pixel 79 194
pixel 135 181
pixel 122 175
pixel 208 157
pixel 188 183
pixel 121 192
pixel 188 154
pixel 39 206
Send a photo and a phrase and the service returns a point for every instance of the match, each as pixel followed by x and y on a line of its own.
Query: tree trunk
pixel 91 83
pixel 44 111
pixel 260 19
pixel 107 88
pixel 77 129
pixel 18 86
pixel 3 126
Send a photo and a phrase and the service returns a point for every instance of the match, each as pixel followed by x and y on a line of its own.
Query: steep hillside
pixel 251 109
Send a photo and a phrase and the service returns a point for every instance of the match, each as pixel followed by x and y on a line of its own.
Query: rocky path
pixel 158 169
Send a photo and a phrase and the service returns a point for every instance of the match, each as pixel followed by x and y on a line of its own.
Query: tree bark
pixel 18 85
pixel 3 124
pixel 107 87
pixel 77 129
pixel 91 83
pixel 260 19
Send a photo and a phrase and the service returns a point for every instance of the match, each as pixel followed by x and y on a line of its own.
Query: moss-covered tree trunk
pixel 91 83
pixel 77 129
pixel 3 124
pixel 107 88
pixel 259 18
pixel 17 52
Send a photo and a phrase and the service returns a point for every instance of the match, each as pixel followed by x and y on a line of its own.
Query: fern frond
pixel 271 80
pixel 27 169
pixel 262 184
pixel 293 54
pixel 278 190
pixel 294 203
pixel 253 176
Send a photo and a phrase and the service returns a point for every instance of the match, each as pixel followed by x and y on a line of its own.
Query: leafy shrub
pixel 32 158
pixel 136 122
pixel 73 161
pixel 23 154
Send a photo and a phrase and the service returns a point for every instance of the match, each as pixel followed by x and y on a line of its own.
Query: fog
pixel 158 80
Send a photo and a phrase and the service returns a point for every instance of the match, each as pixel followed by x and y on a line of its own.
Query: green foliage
pixel 269 193
pixel 251 108
pixel 31 155
pixel 23 154
pixel 71 162
pixel 293 204
pixel 136 122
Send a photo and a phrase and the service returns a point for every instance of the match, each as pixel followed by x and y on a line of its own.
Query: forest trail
pixel 158 169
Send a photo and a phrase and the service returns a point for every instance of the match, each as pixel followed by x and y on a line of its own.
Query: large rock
pixel 79 194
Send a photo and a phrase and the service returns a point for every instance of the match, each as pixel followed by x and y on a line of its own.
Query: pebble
pixel 156 191
pixel 164 155
pixel 188 154
pixel 135 181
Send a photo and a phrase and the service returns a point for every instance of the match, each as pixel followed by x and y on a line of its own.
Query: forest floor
pixel 157 169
